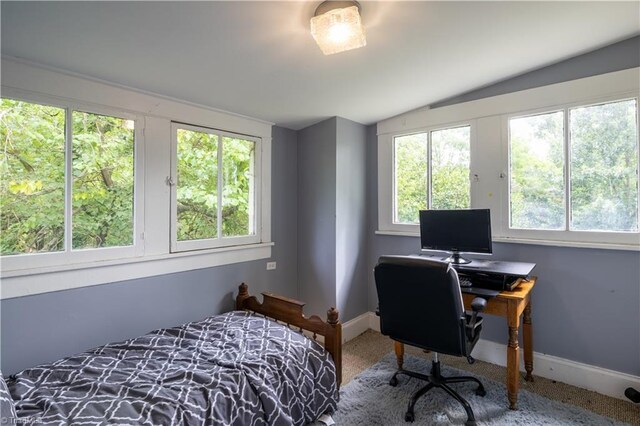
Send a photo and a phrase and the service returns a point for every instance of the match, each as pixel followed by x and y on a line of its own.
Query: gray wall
pixel 615 57
pixel 351 219
pixel 317 216
pixel 586 304
pixel 45 327
pixel 332 217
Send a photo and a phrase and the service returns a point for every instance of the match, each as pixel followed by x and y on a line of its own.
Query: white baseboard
pixel 597 379
pixel 355 327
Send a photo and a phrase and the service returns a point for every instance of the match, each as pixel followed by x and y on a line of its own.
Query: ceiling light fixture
pixel 336 26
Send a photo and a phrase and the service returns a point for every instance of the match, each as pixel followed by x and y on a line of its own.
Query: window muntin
pixel 431 170
pixel 214 200
pixel 604 167
pixel 59 198
pixel 536 178
pixel 578 168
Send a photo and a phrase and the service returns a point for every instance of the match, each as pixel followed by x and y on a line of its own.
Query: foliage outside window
pixel 597 184
pixel 215 188
pixel 604 167
pixel 103 172
pixel 431 170
pixel 537 171
pixel 35 186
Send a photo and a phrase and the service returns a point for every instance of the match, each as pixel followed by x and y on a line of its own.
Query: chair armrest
pixel 478 304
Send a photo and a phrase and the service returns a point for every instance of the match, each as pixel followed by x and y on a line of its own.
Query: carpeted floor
pixel 367 349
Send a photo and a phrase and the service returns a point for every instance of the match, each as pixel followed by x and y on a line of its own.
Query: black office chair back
pixel 420 303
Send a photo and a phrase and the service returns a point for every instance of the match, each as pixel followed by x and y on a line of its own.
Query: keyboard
pixel 465 282
pixel 477 291
pixel 466 286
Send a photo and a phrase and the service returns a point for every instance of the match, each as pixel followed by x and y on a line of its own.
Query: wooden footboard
pixel 289 311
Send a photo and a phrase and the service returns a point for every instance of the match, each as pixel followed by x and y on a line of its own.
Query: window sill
pixel 28 282
pixel 576 244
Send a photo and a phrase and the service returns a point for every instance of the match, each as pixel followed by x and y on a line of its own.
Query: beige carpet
pixel 368 348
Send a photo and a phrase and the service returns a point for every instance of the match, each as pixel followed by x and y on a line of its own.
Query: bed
pixel 251 366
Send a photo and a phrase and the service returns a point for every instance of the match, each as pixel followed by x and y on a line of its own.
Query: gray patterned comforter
pixel 231 369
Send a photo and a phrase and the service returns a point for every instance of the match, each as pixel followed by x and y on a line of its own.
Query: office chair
pixel 420 304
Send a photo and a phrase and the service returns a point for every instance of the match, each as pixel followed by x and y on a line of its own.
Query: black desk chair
pixel 420 304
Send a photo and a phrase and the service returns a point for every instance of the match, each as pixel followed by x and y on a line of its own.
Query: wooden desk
pixel 510 305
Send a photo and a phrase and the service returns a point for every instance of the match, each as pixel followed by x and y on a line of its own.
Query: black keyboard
pixel 488 281
pixel 477 291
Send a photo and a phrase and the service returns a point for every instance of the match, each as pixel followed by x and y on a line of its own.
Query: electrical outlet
pixel 271 266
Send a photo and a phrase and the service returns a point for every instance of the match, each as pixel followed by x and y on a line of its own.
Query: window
pixel 214 196
pixel 537 172
pixel 431 170
pixel 103 181
pixel 33 169
pixel 67 180
pixel 575 170
pixel 604 167
pixel 86 194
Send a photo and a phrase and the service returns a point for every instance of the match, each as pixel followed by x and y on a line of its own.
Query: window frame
pixel 70 256
pixel 220 241
pixel 580 238
pixel 387 175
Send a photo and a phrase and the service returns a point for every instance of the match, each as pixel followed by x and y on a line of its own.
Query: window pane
pixel 32 177
pixel 103 155
pixel 197 186
pixel 604 167
pixel 238 184
pixel 450 156
pixel 537 172
pixel 411 166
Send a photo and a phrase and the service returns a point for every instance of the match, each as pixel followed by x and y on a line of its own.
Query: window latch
pixel 169 181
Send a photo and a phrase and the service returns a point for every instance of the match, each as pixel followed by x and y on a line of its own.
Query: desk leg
pixel 527 342
pixel 399 354
pixel 513 358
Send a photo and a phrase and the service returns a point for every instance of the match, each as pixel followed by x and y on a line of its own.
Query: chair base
pixel 435 379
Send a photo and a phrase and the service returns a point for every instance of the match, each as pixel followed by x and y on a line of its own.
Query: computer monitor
pixel 456 231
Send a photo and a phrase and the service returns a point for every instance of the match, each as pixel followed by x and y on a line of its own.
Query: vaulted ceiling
pixel 259 59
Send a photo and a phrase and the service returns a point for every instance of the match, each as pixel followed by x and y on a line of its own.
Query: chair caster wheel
pixel 394 381
pixel 481 392
pixel 409 417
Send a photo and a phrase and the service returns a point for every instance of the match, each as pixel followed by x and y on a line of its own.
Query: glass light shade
pixel 338 30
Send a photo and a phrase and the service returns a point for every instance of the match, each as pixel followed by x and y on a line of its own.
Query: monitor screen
pixel 456 231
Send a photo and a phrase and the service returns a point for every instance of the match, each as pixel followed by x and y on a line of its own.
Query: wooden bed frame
pixel 289 311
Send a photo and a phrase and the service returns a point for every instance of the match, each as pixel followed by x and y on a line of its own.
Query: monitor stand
pixel 456 259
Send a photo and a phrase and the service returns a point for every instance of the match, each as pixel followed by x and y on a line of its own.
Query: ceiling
pixel 259 59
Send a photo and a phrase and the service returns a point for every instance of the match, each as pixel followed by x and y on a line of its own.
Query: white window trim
pixel 606 238
pixel 489 164
pixel 180 246
pixel 153 114
pixel 386 175
pixel 44 280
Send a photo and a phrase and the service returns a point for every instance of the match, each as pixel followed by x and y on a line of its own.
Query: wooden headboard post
pixel 333 344
pixel 289 311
